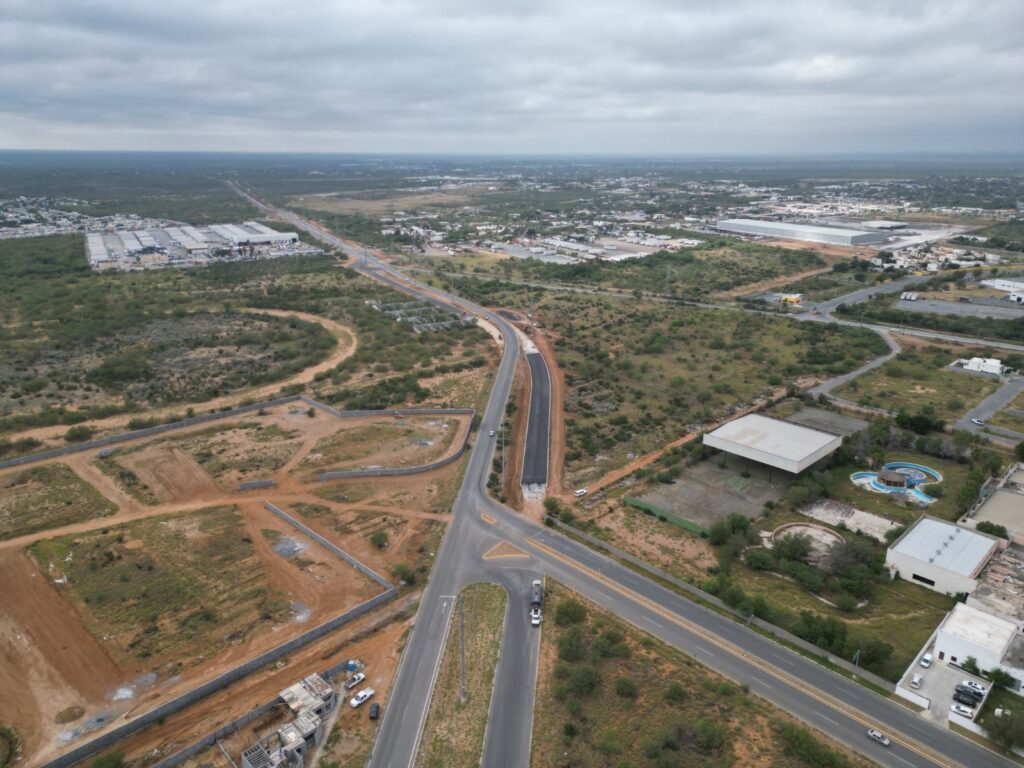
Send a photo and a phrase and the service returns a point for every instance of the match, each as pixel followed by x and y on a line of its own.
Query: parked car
pixel 361 698
pixel 915 681
pixel 975 686
pixel 979 422
pixel 963 711
pixel 580 492
pixel 880 737
pixel 926 660
pixel 964 699
pixel 374 711
pixel 969 692
pixel 355 680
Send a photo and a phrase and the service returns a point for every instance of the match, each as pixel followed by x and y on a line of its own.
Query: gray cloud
pixel 644 76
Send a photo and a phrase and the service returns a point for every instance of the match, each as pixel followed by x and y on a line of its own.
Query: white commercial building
pixel 811 232
pixel 779 444
pixel 989 365
pixel 940 555
pixel 991 641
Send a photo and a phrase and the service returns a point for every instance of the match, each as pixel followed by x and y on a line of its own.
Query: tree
pixel 379 539
pixel 971 665
pixel 1018 450
pixel 986 526
pixel 1001 677
pixel 79 433
pixel 794 546
pixel 570 612
pixel 1006 731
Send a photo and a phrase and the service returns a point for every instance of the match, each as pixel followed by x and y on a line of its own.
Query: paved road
pixel 961 309
pixel 991 405
pixel 826 387
pixel 538 429
pixel 856 297
pixel 838 706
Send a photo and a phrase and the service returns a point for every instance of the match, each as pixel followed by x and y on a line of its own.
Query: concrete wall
pixel 946 582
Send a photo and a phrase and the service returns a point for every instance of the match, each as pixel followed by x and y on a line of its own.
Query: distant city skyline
pixel 518 77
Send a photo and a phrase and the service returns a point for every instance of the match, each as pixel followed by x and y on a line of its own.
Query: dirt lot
pixel 707 492
pixel 386 442
pixel 375 206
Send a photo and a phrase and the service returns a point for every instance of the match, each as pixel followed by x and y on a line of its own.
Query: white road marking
pixel 702 649
pixel 903 760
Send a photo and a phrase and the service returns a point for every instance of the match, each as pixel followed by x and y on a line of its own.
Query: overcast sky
pixel 513 76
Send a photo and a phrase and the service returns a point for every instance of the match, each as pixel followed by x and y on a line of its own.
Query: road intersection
pixel 837 706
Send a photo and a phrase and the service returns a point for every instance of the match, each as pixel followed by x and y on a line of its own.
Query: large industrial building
pixel 187 246
pixel 778 444
pixel 811 232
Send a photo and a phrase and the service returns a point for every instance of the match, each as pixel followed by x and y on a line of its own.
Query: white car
pixel 974 686
pixel 535 617
pixel 915 681
pixel 880 737
pixel 926 660
pixel 492 433
pixel 979 422
pixel 580 492
pixel 362 697
pixel 961 710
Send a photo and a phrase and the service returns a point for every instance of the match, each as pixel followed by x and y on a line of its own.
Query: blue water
pixel 916 474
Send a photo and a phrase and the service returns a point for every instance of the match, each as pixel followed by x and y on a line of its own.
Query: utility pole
pixel 462 643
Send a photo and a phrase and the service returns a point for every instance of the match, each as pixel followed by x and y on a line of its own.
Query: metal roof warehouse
pixel 778 444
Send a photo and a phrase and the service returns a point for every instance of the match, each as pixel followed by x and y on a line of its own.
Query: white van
pixel 926 660
pixel 580 492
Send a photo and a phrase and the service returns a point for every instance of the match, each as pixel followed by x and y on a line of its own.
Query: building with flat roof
pixel 884 224
pixel 967 631
pixel 940 555
pixel 1000 589
pixel 816 233
pixel 1003 505
pixel 778 444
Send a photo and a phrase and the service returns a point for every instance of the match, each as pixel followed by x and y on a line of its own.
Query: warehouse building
pixel 991 641
pixel 778 444
pixel 814 233
pixel 940 555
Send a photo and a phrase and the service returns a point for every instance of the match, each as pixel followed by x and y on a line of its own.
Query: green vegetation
pixel 164 586
pixel 919 382
pixel 455 728
pixel 45 497
pixel 845 277
pixel 1005 235
pixel 80 345
pixel 613 696
pixel 10 746
pixel 986 526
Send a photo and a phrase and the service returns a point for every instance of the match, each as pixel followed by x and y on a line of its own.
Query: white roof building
pixel 778 444
pixel 966 631
pixel 984 365
pixel 793 231
pixel 941 555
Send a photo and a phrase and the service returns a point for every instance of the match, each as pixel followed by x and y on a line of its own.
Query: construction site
pixel 274 536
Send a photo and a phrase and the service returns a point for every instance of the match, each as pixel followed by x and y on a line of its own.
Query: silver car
pixel 880 737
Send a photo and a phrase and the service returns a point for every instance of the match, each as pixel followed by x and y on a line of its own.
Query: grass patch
pixel 454 734
pixel 666 516
pixel 159 588
pixel 126 480
pixel 611 695
pixel 917 378
pixel 47 497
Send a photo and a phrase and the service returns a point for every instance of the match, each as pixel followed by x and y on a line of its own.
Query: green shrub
pixel 626 688
pixel 759 560
pixel 379 539
pixel 994 529
pixel 570 612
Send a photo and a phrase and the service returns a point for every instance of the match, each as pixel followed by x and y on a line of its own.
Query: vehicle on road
pixel 915 681
pixel 491 433
pixel 926 660
pixel 963 711
pixel 374 711
pixel 355 680
pixel 536 597
pixel 975 686
pixel 579 492
pixel 979 422
pixel 361 698
pixel 878 736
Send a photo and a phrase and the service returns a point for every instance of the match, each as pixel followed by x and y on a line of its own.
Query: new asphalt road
pixel 538 432
pixel 822 698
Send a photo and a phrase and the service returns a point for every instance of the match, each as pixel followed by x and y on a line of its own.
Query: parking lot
pixel 937 684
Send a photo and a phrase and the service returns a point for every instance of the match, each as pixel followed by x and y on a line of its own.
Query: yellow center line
pixel 795 682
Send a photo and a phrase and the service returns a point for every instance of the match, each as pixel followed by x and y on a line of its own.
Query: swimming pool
pixel 916 475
